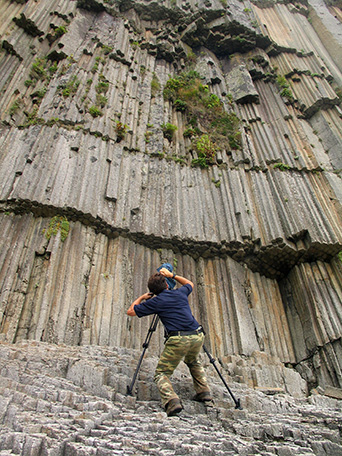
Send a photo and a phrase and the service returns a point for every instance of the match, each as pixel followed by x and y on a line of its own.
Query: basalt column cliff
pixel 203 133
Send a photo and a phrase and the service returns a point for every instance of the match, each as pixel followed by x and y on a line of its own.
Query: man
pixel 185 336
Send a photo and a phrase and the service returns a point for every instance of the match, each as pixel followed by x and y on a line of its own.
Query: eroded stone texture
pixel 64 400
pixel 258 231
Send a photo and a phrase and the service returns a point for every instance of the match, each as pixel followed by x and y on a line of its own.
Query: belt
pixel 199 330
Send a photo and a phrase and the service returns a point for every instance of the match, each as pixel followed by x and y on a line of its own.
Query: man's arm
pixel 180 279
pixel 144 297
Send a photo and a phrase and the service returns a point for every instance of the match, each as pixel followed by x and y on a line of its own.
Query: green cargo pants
pixel 176 349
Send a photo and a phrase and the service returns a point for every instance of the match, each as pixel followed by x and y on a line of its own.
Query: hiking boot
pixel 173 407
pixel 204 396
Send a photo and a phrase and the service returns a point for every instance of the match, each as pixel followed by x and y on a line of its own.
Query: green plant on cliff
pixel 102 85
pixel 15 106
pixel 191 58
pixel 94 111
pixel 53 68
pixel 205 115
pixel 41 70
pixel 121 130
pixel 206 150
pixel 182 86
pixel 101 100
pixel 282 166
pixel 155 85
pixel 286 93
pixel 70 88
pixel 180 105
pixel 168 130
pixel 285 86
pixel 200 161
pixel 39 94
pixel 98 60
pixel 32 118
pixel 101 89
pixel 60 31
pixel 59 223
pixel 38 69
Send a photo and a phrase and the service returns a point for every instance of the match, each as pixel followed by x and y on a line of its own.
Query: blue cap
pixel 171 282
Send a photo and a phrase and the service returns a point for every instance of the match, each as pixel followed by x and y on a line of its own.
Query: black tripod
pixel 145 346
pixel 151 330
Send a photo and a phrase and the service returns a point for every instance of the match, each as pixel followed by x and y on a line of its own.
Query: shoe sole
pixel 175 411
pixel 203 400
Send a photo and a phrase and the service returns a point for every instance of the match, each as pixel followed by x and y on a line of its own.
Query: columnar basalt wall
pixel 101 179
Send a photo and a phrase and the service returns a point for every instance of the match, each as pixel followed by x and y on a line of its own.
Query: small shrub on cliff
pixel 32 118
pixel 70 88
pixel 168 130
pixel 155 85
pixel 38 69
pixel 60 31
pixel 58 223
pixel 185 81
pixel 282 166
pixel 53 68
pixel 212 101
pixel 39 94
pixel 103 85
pixel 15 106
pixel 191 58
pixel 205 114
pixel 121 130
pixel 180 105
pixel 101 100
pixel 94 111
pixel 286 93
pixel 201 162
pixel 285 86
pixel 206 149
pixel 190 132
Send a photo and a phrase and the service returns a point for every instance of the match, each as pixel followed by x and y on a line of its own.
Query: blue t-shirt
pixel 173 308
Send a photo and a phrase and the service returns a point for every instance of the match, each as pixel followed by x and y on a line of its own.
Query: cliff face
pixel 205 134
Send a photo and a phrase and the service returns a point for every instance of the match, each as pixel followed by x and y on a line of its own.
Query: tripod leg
pixel 212 360
pixel 151 330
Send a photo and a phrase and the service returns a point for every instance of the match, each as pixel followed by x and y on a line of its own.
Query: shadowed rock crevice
pixel 274 261
pixel 28 25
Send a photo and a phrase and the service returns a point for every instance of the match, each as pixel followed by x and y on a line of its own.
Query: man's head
pixel 157 283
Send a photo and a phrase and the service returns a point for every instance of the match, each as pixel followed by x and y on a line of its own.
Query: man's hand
pixel 146 296
pixel 182 280
pixel 166 273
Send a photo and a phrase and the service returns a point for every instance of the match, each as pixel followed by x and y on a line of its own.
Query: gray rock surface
pixel 63 400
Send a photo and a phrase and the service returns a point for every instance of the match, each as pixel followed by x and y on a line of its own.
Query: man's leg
pixel 171 356
pixel 195 366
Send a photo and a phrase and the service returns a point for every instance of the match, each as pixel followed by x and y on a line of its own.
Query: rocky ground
pixel 62 400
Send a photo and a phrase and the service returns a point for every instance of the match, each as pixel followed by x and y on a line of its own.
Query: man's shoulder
pixel 187 288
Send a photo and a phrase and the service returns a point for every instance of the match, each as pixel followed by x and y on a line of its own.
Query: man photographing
pixel 185 336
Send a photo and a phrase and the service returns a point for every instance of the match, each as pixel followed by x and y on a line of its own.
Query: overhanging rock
pixel 239 81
